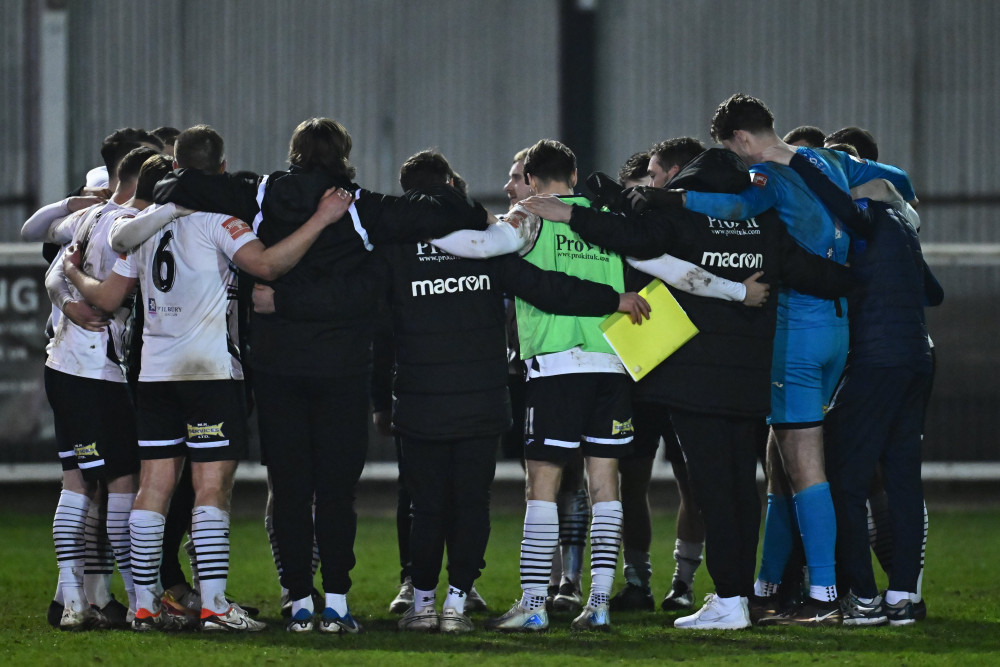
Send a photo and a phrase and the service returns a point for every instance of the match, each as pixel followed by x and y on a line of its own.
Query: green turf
pixel 962 589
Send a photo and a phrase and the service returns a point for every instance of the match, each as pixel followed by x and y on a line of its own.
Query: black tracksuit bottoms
pixel 404 517
pixel 721 457
pixel 449 484
pixel 877 416
pixel 314 436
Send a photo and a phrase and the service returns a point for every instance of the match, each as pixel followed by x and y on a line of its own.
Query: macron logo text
pixel 450 285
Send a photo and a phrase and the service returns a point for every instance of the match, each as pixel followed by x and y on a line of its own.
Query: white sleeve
pixel 909 213
pixel 228 233
pixel 880 189
pixel 126 266
pixel 690 278
pixel 41 225
pixel 56 284
pixel 128 233
pixel 515 232
pixel 63 230
pixel 498 239
pixel 98 178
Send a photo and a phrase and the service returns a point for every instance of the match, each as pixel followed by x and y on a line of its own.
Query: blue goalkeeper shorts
pixel 806 367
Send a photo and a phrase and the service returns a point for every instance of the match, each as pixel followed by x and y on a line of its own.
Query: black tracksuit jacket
pixel 725 369
pixel 448 327
pixel 309 343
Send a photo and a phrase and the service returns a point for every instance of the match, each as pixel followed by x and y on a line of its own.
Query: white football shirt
pixel 77 351
pixel 188 292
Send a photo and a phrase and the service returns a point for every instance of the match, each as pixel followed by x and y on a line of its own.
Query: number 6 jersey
pixel 188 292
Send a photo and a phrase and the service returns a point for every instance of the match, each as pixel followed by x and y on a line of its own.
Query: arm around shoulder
pixel 106 295
pixel 128 233
pixel 273 262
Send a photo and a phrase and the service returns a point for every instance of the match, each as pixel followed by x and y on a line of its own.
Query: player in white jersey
pixel 190 390
pixel 54 224
pixel 94 422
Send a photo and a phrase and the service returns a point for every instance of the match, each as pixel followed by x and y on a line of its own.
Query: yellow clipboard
pixel 643 348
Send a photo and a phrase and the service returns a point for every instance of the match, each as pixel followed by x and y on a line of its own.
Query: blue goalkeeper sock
pixel 814 509
pixel 777 539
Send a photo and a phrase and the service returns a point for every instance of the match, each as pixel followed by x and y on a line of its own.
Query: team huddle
pixel 184 294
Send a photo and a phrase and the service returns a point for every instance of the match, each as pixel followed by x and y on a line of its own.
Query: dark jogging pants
pixel 877 416
pixel 314 436
pixel 449 485
pixel 721 455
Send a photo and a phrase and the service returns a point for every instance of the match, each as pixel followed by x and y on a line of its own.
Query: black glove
pixel 643 198
pixel 607 191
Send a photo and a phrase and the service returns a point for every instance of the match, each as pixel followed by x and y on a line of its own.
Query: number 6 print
pixel 163 263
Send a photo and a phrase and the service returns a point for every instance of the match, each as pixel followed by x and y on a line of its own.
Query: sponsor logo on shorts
pixel 450 285
pixel 85 450
pixel 151 305
pixel 734 260
pixel 760 180
pixel 235 227
pixel 205 430
pixel 619 428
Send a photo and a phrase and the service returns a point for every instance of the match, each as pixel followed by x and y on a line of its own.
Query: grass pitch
pixel 962 588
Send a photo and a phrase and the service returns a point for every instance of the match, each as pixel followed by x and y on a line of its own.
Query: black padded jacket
pixel 725 369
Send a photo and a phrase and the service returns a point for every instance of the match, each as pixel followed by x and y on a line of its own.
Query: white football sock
pixel 423 599
pixel 100 558
pixel 541 537
pixel 68 527
pixel 337 602
pixel 455 600
pixel 119 507
pixel 210 534
pixel 605 540
pixel 146 539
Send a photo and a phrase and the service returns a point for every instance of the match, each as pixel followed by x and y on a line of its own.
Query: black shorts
pixel 205 420
pixel 95 425
pixel 652 422
pixel 512 442
pixel 563 411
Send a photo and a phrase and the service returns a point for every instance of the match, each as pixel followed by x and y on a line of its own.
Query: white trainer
pixel 519 619
pixel 593 618
pixel 425 620
pixel 301 621
pixel 474 602
pixel 85 619
pixel 717 615
pixel 235 619
pixel 403 599
pixel 455 622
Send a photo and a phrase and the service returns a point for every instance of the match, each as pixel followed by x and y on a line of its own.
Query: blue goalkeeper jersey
pixel 808 220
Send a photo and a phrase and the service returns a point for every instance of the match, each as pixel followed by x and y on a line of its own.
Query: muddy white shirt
pixel 77 351
pixel 188 292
